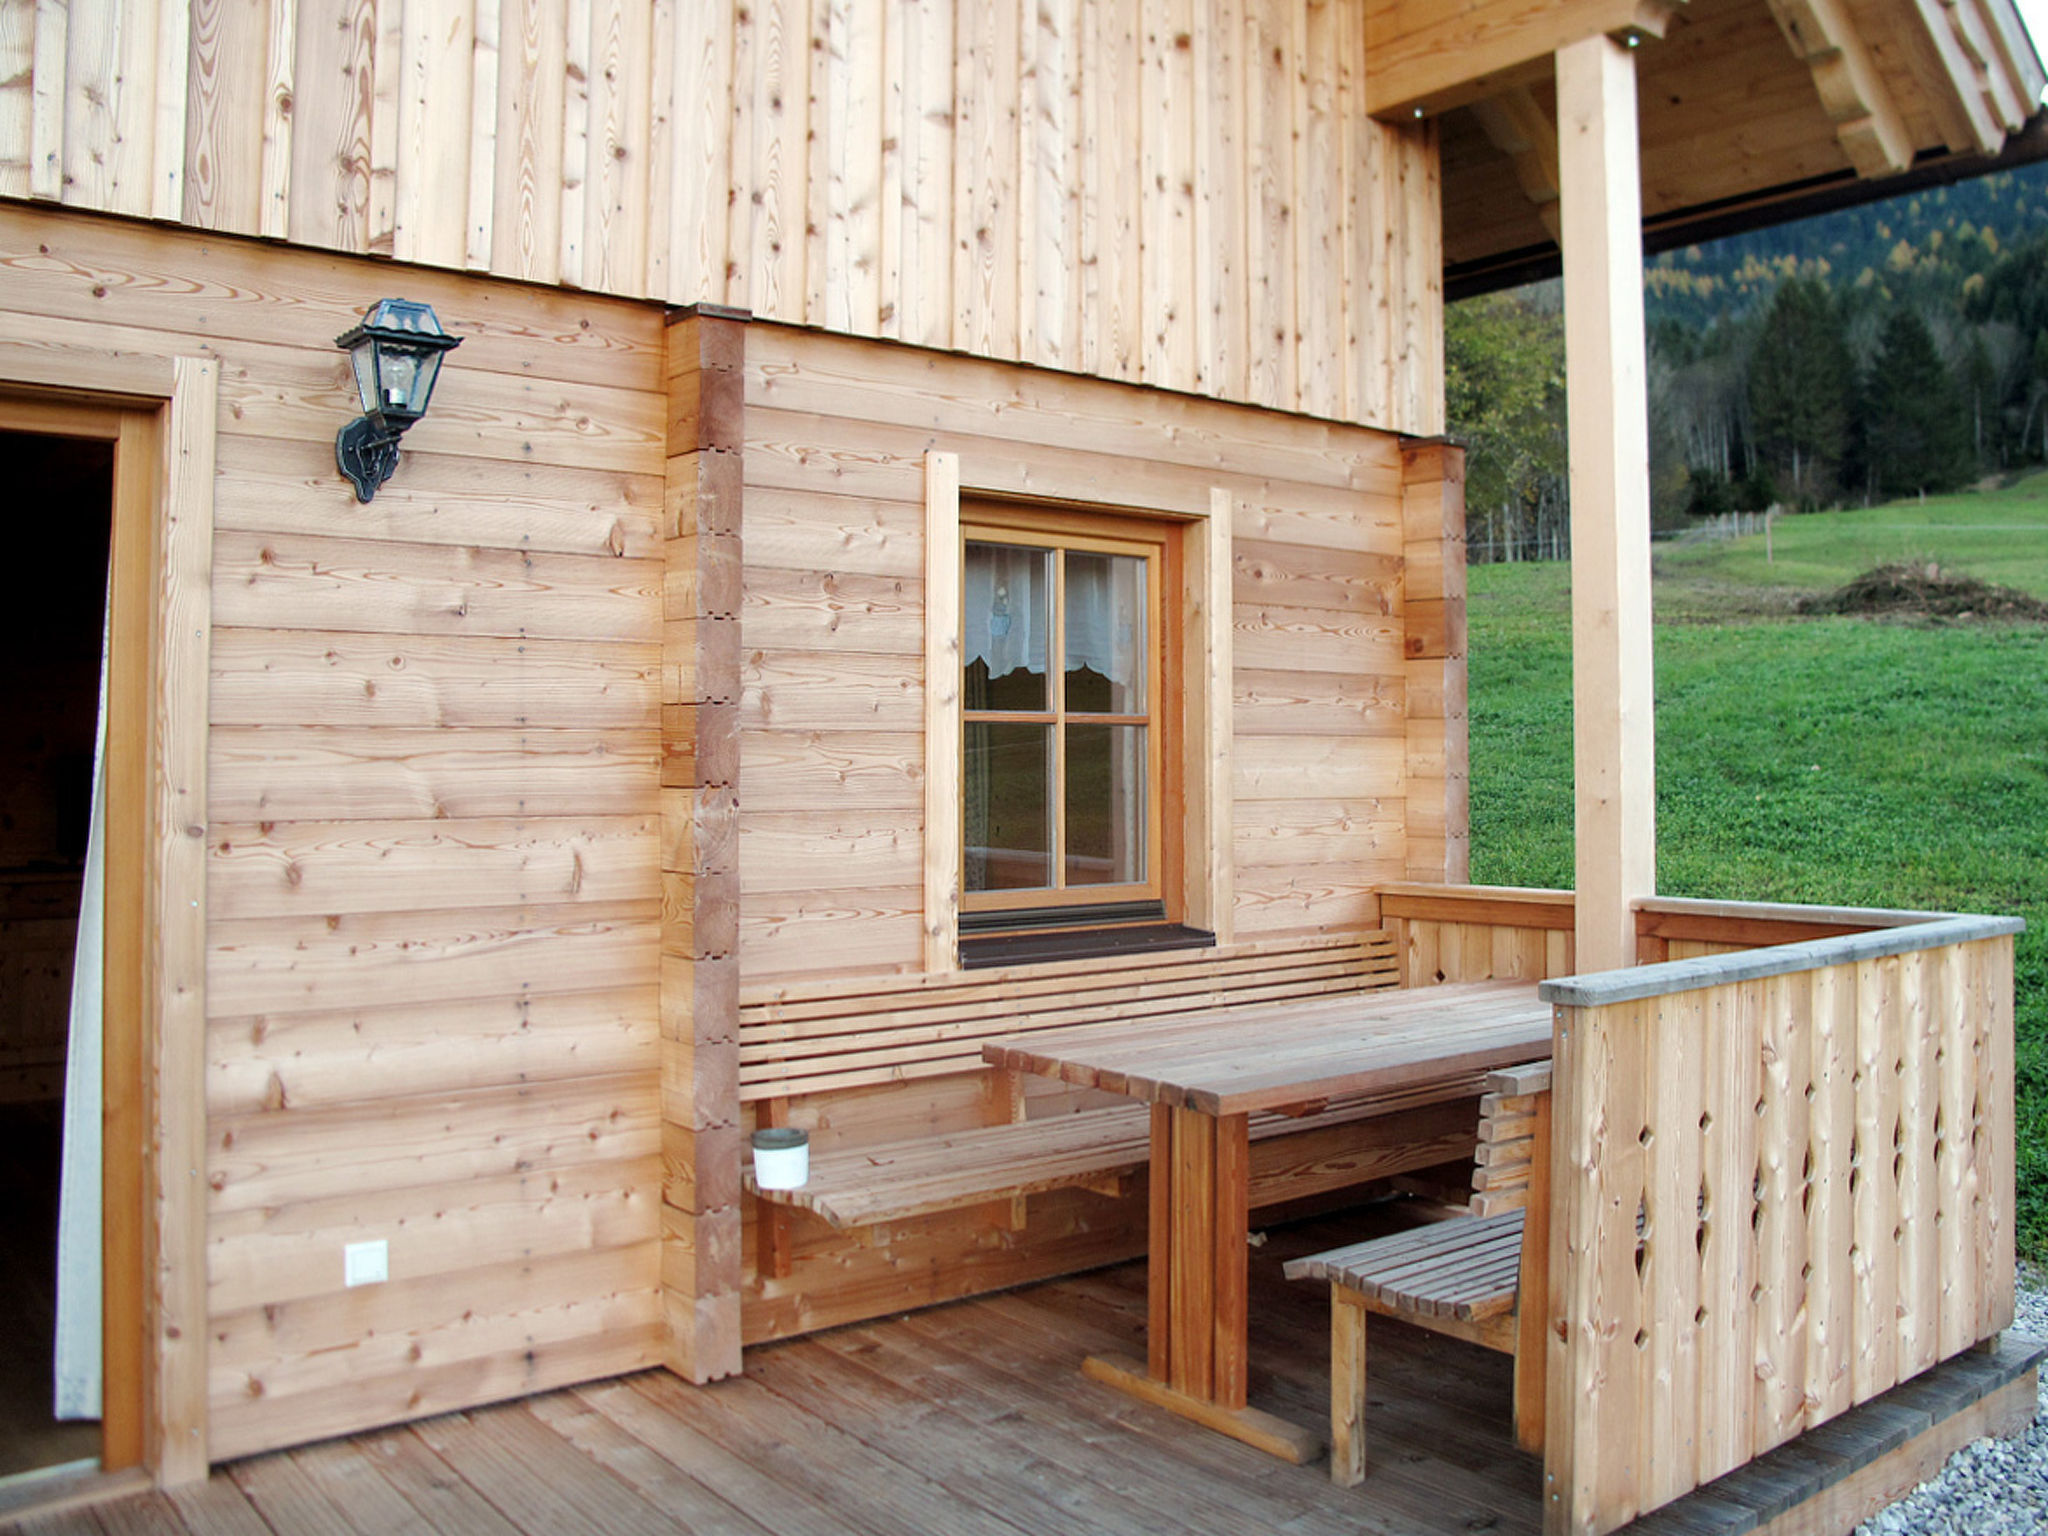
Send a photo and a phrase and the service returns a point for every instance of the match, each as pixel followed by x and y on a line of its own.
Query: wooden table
pixel 1204 1075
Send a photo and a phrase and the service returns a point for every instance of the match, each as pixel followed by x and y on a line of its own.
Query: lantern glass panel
pixel 362 358
pixel 429 364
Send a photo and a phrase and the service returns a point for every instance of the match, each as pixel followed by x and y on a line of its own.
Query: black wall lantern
pixel 396 354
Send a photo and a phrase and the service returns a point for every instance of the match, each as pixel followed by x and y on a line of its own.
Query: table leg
pixel 1196 1285
pixel 1158 1268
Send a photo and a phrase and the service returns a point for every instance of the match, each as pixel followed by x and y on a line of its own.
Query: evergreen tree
pixel 1916 428
pixel 1800 378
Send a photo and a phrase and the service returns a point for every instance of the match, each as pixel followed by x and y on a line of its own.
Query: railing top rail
pixel 1541 895
pixel 1790 912
pixel 1598 989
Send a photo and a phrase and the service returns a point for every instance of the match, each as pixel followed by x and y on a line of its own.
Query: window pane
pixel 1007 622
pixel 1105 634
pixel 1105 804
pixel 1008 833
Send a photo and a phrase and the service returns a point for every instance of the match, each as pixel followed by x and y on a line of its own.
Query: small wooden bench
pixel 799 1040
pixel 1482 1278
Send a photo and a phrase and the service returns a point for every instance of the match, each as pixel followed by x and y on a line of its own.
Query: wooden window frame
pixel 1157 542
pixel 1201 889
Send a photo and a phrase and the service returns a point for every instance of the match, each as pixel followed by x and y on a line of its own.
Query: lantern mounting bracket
pixel 365 455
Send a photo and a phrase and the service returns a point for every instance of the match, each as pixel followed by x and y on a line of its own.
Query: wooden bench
pixel 815 1038
pixel 1481 1278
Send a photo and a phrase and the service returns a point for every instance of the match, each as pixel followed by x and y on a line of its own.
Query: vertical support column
pixel 1438 759
pixel 1614 765
pixel 701 1134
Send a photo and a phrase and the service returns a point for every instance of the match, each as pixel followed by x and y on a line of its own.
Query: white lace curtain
pixel 77 1384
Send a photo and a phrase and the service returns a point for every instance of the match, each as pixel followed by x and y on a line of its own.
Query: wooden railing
pixel 1477 932
pixel 1498 932
pixel 1782 1183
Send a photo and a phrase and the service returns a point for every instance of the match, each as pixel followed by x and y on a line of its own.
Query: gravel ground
pixel 1993 1487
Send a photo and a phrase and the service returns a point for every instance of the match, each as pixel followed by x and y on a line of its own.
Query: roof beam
pixel 1984 54
pixel 1939 61
pixel 1868 122
pixel 1423 57
pixel 1516 125
pixel 2016 48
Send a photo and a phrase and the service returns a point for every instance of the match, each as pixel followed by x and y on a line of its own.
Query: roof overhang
pixel 1769 206
pixel 1751 113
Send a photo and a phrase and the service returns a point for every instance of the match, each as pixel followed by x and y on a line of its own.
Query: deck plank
pixel 835 1466
pixel 217 1507
pixel 351 1482
pixel 652 1475
pixel 431 1486
pixel 288 1500
pixel 654 1409
pixel 536 1479
pixel 912 1428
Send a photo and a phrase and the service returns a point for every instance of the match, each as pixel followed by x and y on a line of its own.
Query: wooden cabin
pixel 487 859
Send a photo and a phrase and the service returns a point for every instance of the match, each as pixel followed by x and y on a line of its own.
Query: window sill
pixel 1037 946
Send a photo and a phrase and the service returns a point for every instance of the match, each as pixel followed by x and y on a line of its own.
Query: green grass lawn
pixel 2000 537
pixel 1816 760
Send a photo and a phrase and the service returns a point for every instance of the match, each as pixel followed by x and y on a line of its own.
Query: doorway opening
pixel 49 726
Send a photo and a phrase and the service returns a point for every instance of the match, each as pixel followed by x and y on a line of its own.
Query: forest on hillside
pixel 1876 352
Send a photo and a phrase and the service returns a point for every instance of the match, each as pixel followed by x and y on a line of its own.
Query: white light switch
pixel 366 1263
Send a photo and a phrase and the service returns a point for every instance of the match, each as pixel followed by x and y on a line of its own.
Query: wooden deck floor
pixel 975 1420
pixel 971 1418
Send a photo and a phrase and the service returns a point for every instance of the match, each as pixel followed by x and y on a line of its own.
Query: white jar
pixel 782 1157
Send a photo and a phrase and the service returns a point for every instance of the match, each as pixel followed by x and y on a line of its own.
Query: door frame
pixel 160 414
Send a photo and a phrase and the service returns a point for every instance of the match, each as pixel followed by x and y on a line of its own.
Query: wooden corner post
pixel 700 703
pixel 1433 549
pixel 1614 768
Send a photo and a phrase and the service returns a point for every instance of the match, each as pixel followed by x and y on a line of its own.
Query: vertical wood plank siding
pixel 1776 1199
pixel 1186 193
pixel 432 854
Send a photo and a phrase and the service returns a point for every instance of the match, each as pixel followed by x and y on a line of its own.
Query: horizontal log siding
pixel 832 707
pixel 1187 194
pixel 1776 1198
pixel 433 872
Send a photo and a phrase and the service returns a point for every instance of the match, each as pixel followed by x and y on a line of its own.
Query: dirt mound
pixel 1925 591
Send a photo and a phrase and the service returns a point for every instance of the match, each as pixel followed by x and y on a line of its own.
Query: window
pixel 1069 727
pixel 1077 745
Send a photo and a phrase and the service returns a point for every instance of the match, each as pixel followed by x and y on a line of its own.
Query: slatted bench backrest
pixel 801 1039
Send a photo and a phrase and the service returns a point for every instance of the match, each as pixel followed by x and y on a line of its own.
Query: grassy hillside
pixel 2000 537
pixel 1820 760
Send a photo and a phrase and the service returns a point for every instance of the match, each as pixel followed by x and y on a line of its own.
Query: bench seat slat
pixel 1464 1268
